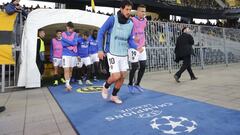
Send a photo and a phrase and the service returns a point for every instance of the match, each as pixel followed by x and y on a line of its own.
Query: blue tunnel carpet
pixel 147 113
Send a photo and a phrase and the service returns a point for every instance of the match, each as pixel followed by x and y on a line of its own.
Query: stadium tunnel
pixel 50 31
pixel 29 75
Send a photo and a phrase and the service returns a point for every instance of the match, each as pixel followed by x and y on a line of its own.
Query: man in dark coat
pixel 183 51
pixel 2 108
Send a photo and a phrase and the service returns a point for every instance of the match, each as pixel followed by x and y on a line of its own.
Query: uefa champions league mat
pixel 147 113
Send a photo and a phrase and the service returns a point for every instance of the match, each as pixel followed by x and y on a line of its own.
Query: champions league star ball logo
pixel 172 125
pixel 90 89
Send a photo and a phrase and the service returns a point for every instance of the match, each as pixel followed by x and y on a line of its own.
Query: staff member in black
pixel 40 57
pixel 183 51
pixel 2 108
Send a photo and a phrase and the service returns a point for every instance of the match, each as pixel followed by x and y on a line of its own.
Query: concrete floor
pixel 35 112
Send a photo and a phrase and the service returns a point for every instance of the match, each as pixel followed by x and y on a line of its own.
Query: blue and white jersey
pixel 83 47
pixel 93 46
pixel 69 43
pixel 118 36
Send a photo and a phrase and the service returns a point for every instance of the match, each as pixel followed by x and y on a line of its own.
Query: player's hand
pixel 101 55
pixel 140 49
pixel 79 59
pixel 18 7
pixel 18 10
pixel 136 39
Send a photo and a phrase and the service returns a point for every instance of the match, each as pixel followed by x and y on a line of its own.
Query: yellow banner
pixel 233 3
pixel 7 21
pixel 93 5
pixel 178 2
pixel 6 26
pixel 6 55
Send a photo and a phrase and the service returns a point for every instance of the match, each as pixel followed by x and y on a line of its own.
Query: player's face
pixel 42 34
pixel 126 11
pixel 95 34
pixel 16 2
pixel 141 12
pixel 187 30
pixel 59 35
pixel 85 37
pixel 69 29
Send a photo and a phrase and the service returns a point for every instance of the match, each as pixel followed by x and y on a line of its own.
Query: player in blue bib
pixel 119 38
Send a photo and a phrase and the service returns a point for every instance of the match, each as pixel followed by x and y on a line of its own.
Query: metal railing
pixel 213 45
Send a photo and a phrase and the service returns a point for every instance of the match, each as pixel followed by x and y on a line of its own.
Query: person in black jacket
pixel 40 57
pixel 2 108
pixel 15 7
pixel 183 51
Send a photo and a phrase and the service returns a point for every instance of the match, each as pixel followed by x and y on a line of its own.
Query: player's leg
pixel 87 63
pixel 142 62
pixel 115 75
pixel 123 66
pixel 67 65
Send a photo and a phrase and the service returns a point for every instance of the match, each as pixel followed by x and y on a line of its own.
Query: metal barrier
pixel 8 77
pixel 9 73
pixel 213 45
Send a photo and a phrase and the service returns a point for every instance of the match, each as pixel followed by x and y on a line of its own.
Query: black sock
pixel 88 72
pixel 107 85
pixel 59 77
pixel 75 73
pixel 62 76
pixel 132 72
pixel 115 91
pixel 55 77
pixel 141 72
pixel 96 69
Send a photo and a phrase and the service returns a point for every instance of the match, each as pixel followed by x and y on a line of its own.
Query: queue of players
pixel 120 41
pixel 79 54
